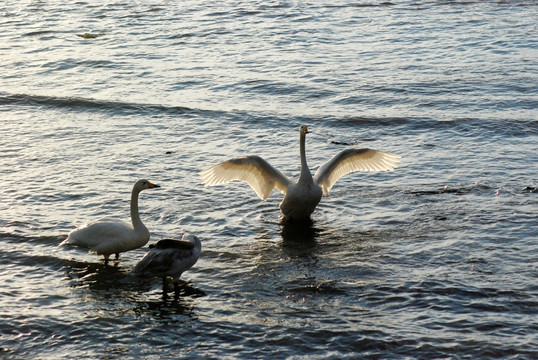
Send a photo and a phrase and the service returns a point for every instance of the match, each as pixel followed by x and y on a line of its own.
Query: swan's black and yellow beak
pixel 152 185
pixel 304 129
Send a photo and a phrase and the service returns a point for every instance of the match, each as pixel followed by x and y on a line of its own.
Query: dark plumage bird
pixel 170 258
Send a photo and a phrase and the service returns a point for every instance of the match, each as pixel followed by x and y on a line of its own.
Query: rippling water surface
pixel 434 260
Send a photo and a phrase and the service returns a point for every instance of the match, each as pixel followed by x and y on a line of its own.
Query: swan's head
pixel 143 184
pixel 304 129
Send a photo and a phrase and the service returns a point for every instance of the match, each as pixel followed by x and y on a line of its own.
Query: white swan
pixel 301 197
pixel 170 257
pixel 110 236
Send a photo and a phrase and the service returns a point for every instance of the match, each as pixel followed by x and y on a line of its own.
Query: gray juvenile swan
pixel 170 257
pixel 301 197
pixel 111 236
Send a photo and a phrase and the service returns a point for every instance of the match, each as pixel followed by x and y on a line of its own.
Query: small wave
pixel 470 126
pixel 360 5
pixel 467 189
pixel 327 288
pixel 44 240
pixel 363 121
pixel 457 190
pixel 39 32
pixel 88 104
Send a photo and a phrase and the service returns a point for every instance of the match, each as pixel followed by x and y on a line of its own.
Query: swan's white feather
pixel 254 170
pixel 350 160
pixel 107 236
pixel 110 236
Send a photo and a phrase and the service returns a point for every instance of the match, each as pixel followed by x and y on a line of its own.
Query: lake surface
pixel 436 259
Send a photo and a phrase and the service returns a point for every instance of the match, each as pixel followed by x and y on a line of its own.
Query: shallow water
pixel 434 260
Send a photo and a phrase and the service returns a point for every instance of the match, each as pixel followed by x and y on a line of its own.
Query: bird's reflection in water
pixel 182 288
pixel 166 308
pixel 299 233
pixel 98 277
pixel 181 302
pixel 106 281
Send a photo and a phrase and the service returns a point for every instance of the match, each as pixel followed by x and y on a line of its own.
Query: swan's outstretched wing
pixel 350 160
pixel 254 170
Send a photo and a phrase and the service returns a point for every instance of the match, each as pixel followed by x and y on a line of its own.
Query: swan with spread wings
pixel 301 197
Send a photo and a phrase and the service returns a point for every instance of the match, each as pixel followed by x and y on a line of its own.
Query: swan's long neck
pixel 305 176
pixel 135 216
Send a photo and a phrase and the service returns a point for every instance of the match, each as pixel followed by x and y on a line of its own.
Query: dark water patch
pixel 155 9
pixel 458 190
pixel 322 288
pixel 461 126
pixel 29 232
pixel 48 195
pixel 276 5
pixel 13 238
pixel 359 5
pixel 214 33
pixel 12 228
pixel 467 294
pixel 90 35
pixel 44 256
pixel 39 33
pixel 95 64
pixel 247 12
pixel 476 188
pixel 182 36
pixel 264 87
pixel 361 121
